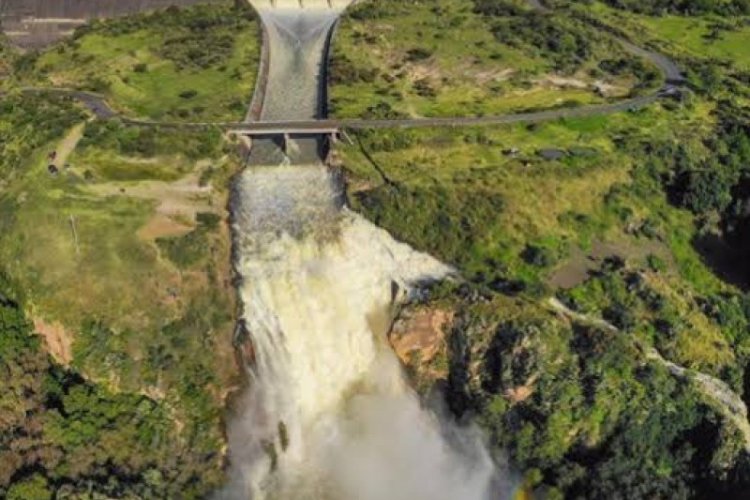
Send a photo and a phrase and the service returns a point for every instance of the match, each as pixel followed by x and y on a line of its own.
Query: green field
pixel 443 58
pixel 707 36
pixel 190 64
pixel 121 260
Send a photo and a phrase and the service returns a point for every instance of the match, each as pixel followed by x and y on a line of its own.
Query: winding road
pixel 307 112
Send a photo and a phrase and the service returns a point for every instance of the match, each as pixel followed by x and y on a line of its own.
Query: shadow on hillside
pixel 729 263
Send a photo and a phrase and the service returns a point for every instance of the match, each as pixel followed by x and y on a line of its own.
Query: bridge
pixel 292 80
pixel 294 107
pixel 98 105
pixel 334 126
pixel 291 93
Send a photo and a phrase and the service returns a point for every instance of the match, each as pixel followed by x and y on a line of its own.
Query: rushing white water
pixel 328 414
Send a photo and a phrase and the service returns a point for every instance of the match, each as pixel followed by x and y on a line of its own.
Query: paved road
pixel 330 125
pixel 98 105
pixel 667 66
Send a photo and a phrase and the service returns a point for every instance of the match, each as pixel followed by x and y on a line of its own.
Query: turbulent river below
pixel 328 413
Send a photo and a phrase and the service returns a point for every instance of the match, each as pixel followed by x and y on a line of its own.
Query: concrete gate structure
pixel 293 77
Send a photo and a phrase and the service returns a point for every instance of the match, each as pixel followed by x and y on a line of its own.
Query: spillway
pixel 328 413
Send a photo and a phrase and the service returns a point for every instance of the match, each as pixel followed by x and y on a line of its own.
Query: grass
pixel 84 250
pixel 196 63
pixel 707 36
pixel 82 247
pixel 457 194
pixel 440 58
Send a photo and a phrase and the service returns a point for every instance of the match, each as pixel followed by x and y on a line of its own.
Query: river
pixel 328 413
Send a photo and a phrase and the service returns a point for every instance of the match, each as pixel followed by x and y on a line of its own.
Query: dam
pixel 292 80
pixel 327 413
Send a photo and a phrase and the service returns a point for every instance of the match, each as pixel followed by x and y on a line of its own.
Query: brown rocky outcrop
pixel 418 337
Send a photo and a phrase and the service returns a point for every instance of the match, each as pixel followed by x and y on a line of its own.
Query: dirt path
pixel 66 147
pixel 729 403
pixel 58 341
pixel 179 203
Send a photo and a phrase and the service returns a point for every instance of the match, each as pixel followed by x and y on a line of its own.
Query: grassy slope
pixel 145 62
pixel 465 71
pixel 6 58
pixel 455 194
pixel 564 207
pixel 141 319
pixel 691 36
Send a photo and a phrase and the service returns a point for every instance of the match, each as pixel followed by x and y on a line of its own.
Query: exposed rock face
pixel 57 341
pixel 419 339
pixel 520 393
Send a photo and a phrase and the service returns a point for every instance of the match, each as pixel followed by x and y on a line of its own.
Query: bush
pixel 188 94
pixel 538 256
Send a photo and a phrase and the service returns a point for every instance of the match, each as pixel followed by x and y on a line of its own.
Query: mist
pixel 328 413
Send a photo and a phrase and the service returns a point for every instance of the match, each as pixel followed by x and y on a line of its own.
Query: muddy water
pixel 328 414
pixel 36 23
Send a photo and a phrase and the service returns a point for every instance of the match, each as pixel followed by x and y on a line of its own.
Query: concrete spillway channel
pixel 292 83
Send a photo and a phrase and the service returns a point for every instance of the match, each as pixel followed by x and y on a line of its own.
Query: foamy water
pixel 328 414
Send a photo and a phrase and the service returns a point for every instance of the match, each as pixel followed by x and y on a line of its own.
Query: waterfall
pixel 328 413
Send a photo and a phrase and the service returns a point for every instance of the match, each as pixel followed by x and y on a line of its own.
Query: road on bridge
pixel 288 31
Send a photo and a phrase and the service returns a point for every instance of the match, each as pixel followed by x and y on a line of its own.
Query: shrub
pixel 188 94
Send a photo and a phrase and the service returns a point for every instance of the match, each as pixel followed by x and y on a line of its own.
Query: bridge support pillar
pixel 285 146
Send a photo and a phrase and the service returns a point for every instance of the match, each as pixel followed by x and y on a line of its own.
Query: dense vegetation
pixel 684 7
pixel 639 228
pixel 194 63
pixel 692 38
pixel 132 302
pixel 582 413
pixel 20 133
pixel 6 58
pixel 126 140
pixel 61 436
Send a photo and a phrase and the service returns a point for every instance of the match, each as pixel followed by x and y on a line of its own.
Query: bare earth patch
pixel 178 203
pixel 601 87
pixel 419 335
pixel 57 341
pixel 69 143
pixel 579 266
pixel 521 393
